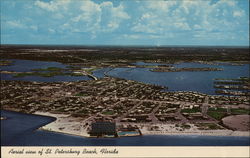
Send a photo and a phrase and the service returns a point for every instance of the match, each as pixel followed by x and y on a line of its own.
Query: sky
pixel 125 22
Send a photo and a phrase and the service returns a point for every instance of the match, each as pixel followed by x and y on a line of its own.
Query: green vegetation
pixel 109 112
pixel 240 111
pixel 61 109
pixel 217 113
pixel 90 70
pixel 42 74
pixel 5 62
pixel 75 74
pixel 49 69
pixel 238 83
pixel 172 69
pixel 218 109
pixel 83 111
pixel 185 126
pixel 73 67
pixel 193 110
pixel 148 66
pixel 47 72
pixel 237 79
pixel 81 94
pixel 208 126
pixel 229 82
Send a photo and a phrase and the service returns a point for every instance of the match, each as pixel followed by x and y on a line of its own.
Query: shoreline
pixel 213 134
pixel 192 134
pixel 69 125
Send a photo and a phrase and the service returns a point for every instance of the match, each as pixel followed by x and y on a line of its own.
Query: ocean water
pixel 20 130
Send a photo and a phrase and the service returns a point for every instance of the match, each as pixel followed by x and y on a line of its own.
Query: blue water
pixel 100 72
pixel 127 132
pixel 45 79
pixel 143 63
pixel 19 125
pixel 201 81
pixel 19 130
pixel 27 65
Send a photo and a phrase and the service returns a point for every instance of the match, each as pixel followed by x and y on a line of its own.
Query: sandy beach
pixel 168 130
pixel 65 124
pixel 77 126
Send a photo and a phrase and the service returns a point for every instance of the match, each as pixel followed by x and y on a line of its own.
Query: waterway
pixel 20 130
pixel 199 81
pixel 27 66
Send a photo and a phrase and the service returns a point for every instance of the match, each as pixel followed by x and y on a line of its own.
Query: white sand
pixel 170 129
pixel 65 124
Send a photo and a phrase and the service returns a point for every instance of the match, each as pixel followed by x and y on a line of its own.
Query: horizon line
pixel 93 45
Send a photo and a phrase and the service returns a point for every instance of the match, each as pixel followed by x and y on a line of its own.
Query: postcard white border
pixel 128 151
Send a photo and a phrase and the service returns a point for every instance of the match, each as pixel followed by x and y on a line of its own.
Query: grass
pixel 208 126
pixel 81 94
pixel 240 111
pixel 83 111
pixel 49 69
pixel 216 115
pixel 194 110
pixel 108 113
pixel 218 109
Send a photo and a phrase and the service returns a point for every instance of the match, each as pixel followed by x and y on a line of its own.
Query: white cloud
pixel 149 19
pixel 129 36
pixel 85 16
pixel 161 6
pixel 51 30
pixel 34 27
pixel 238 13
pixel 53 5
pixel 163 17
pixel 114 15
pixel 90 11
pixel 15 24
pixel 147 16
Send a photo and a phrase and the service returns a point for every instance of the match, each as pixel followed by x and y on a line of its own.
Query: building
pixel 103 128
